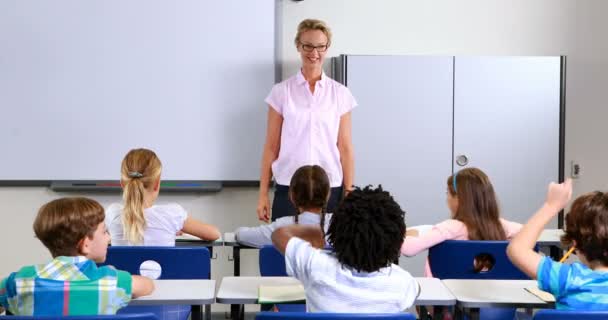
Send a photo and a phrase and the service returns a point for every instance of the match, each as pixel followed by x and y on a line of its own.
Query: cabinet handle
pixel 462 160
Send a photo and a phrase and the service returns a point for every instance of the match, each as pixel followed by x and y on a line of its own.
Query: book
pixel 281 294
pixel 543 295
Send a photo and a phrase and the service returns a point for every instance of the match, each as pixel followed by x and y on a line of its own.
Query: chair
pixel 175 262
pixel 453 259
pixel 272 264
pixel 333 316
pixel 134 316
pixel 570 315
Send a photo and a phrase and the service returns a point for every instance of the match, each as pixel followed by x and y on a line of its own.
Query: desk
pixel 193 292
pixel 239 291
pixel 475 294
pixel 550 238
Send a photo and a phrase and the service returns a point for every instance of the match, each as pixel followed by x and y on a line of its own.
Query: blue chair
pixel 135 316
pixel 272 264
pixel 570 315
pixel 453 259
pixel 333 316
pixel 176 263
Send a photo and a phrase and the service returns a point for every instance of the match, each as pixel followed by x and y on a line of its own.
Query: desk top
pixel 244 290
pixel 495 293
pixel 188 239
pixel 192 292
pixel 550 237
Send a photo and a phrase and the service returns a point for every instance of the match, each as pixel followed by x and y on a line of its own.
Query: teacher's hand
pixel 263 208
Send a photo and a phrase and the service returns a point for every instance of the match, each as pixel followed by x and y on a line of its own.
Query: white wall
pixel 464 27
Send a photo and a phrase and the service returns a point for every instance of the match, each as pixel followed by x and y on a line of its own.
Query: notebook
pixel 281 294
pixel 543 295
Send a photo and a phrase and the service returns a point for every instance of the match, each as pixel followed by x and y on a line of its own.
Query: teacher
pixel 309 122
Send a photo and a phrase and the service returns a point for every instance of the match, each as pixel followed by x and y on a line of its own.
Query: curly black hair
pixel 367 229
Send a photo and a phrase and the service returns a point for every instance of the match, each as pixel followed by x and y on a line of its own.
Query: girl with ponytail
pixel 139 221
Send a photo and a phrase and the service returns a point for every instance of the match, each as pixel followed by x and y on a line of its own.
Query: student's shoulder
pixel 114 208
pixel 170 208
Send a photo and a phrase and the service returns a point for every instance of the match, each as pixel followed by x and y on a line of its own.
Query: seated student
pixel 308 191
pixel 140 221
pixel 71 284
pixel 366 232
pixel 580 285
pixel 474 216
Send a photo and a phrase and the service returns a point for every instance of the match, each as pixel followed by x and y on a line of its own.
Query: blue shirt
pixel 575 286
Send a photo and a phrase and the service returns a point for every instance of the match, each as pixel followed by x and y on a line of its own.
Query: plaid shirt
pixel 66 286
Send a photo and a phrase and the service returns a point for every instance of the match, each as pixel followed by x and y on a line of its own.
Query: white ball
pixel 150 269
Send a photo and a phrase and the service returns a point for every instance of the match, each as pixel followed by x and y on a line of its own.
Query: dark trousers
pixel 282 206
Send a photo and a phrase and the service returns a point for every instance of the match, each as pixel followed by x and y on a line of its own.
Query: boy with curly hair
pixel 358 275
pixel 580 285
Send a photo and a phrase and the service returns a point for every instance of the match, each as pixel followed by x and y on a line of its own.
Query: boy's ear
pixel 84 246
pixel 157 184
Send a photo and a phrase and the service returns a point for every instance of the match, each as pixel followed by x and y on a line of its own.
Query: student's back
pixel 73 230
pixel 138 220
pixel 365 233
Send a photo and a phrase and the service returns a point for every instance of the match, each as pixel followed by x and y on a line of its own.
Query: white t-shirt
pixel 331 287
pixel 162 223
pixel 261 235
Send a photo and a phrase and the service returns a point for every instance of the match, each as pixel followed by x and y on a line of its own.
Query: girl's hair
pixel 139 171
pixel 587 225
pixel 309 188
pixel 313 24
pixel 477 205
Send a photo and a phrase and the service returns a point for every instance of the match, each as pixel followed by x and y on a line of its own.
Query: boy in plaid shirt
pixel 74 231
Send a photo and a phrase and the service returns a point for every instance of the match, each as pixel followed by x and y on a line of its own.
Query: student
pixel 366 232
pixel 74 231
pixel 474 216
pixel 140 221
pixel 580 285
pixel 309 192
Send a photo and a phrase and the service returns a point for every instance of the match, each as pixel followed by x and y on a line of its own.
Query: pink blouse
pixel 447 230
pixel 310 125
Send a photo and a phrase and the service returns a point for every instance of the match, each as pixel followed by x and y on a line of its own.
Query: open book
pixel 281 294
pixel 543 295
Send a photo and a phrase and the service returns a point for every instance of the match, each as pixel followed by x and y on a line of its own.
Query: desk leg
pixel 197 312
pixel 474 313
pixel 237 311
pixel 207 312
pixel 556 253
pixel 236 256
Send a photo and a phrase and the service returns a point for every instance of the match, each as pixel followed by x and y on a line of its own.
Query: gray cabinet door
pixel 402 129
pixel 506 122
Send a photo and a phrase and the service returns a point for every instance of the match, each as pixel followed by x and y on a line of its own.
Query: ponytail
pixel 133 220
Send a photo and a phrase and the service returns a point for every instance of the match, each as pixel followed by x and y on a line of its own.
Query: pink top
pixel 310 125
pixel 447 230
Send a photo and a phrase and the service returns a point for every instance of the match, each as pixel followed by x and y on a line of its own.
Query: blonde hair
pixel 312 24
pixel 139 171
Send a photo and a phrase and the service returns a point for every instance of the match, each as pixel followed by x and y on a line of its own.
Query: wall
pixel 465 27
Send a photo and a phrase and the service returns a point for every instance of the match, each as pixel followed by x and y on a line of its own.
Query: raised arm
pixel 270 153
pixel 202 230
pixel 310 233
pixel 345 147
pixel 521 247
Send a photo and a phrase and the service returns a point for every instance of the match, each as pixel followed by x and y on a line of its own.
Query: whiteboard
pixel 83 82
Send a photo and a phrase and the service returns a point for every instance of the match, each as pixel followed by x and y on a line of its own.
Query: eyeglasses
pixel 309 47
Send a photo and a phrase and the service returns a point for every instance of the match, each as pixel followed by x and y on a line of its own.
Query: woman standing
pixel 309 123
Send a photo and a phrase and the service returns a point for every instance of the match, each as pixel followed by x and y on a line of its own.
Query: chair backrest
pixel 272 262
pixel 175 262
pixel 453 259
pixel 333 316
pixel 570 315
pixel 134 316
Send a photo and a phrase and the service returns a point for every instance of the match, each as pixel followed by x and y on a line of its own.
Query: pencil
pixel 567 254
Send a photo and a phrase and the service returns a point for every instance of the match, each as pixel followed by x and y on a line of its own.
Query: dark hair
pixel 367 229
pixel 62 223
pixel 309 188
pixel 477 204
pixel 587 224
